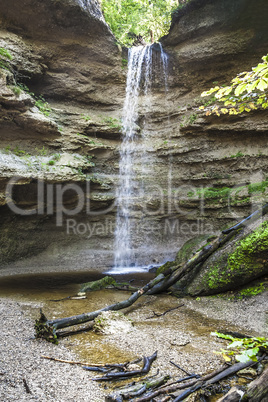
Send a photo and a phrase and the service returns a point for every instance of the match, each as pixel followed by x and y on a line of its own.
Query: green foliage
pixel 97 285
pixel 255 242
pixel 124 63
pixel 251 291
pixel 85 117
pixel 16 89
pixel 5 56
pixel 43 151
pixel 213 192
pixel 113 123
pixel 244 349
pixel 238 155
pixel 233 194
pixel 19 152
pixel 40 102
pixel 188 120
pixel 247 92
pixel 43 106
pixel 128 18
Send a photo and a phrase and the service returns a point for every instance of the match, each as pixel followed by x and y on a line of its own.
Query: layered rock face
pixel 64 52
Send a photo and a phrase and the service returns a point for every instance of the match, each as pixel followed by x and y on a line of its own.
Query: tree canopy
pixel 129 18
pixel 248 91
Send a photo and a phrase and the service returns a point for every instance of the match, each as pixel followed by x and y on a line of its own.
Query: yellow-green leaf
pixel 262 85
pixel 239 89
pixel 226 358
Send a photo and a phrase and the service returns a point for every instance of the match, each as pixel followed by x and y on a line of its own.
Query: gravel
pixel 21 363
pixel 181 335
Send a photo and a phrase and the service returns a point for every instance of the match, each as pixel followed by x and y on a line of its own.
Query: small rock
pixel 112 322
pixel 249 371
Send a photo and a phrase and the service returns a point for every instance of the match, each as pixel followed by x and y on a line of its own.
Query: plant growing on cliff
pixel 43 106
pixel 4 57
pixel 247 92
pixel 243 349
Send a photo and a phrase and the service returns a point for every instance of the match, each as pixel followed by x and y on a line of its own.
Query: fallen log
pixel 231 370
pixel 147 362
pixel 258 389
pixel 46 329
pixel 176 273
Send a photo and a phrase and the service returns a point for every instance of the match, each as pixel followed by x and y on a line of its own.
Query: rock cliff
pixel 61 100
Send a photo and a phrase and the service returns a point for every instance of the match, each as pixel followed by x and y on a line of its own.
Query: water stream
pixel 130 192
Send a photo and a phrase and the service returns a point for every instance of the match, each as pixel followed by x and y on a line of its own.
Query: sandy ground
pixel 20 360
pixel 183 335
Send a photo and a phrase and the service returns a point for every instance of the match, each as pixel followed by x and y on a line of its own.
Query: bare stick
pixel 72 362
pixel 161 314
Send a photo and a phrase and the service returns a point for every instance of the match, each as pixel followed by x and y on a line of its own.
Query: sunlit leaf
pixel 262 85
pixel 241 88
pixel 226 358
pixel 247 90
pixel 235 344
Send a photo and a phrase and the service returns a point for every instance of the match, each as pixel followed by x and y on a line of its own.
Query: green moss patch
pixel 248 261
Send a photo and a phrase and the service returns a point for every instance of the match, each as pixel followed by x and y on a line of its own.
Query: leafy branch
pixel 247 92
pixel 244 349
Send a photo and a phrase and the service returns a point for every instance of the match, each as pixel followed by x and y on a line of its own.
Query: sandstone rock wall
pixel 64 51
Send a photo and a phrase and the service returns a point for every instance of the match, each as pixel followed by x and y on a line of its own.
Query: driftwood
pixel 201 382
pixel 133 391
pixel 103 365
pixel 257 214
pixel 147 362
pixel 174 386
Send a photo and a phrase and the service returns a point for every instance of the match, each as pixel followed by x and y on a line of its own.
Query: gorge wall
pixel 65 52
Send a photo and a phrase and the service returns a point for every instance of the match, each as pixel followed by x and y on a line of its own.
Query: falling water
pixel 139 78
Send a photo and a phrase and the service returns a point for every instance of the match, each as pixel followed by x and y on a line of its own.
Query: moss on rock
pixel 97 285
pixel 240 262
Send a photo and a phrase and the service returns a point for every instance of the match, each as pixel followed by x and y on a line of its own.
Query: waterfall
pixel 129 191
